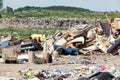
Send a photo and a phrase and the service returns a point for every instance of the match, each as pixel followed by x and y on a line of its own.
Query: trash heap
pixel 81 39
pixel 84 39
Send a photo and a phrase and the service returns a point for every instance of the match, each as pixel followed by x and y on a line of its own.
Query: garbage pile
pixel 88 39
pixel 23 49
pixel 81 39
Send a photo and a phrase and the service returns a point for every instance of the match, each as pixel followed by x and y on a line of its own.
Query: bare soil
pixel 64 63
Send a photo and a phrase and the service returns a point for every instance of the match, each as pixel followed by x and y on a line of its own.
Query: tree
pixel 10 11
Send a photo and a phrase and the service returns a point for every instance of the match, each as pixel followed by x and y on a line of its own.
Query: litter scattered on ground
pixel 82 45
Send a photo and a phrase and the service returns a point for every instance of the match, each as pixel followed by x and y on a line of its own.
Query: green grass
pixel 56 12
pixel 24 32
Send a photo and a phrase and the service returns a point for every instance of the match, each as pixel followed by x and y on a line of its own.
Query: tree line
pixel 55 12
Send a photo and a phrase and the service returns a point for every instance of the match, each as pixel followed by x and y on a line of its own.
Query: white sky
pixel 96 5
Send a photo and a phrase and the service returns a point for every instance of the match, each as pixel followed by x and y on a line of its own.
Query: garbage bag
pixel 82 78
pixel 103 76
pixel 106 28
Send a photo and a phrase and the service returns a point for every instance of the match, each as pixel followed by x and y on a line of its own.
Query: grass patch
pixel 24 32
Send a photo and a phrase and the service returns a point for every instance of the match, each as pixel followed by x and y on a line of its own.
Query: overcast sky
pixel 96 5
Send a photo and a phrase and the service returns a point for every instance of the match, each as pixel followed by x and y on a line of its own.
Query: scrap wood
pixel 8 38
pixel 61 42
pixel 19 41
pixel 78 39
pixel 26 39
pixel 102 44
pixel 85 52
pixel 91 48
pixel 75 33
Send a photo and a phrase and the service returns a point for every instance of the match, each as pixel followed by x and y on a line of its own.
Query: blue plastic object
pixel 114 46
pixel 26 44
pixel 70 51
pixel 57 71
pixel 5 44
pixel 31 49
pixel 45 73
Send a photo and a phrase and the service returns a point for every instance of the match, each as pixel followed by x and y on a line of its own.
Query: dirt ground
pixel 64 63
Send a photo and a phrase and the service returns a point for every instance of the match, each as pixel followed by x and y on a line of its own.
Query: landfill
pixel 83 52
